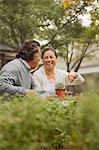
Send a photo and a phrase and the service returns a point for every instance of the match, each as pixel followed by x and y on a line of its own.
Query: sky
pixel 85 19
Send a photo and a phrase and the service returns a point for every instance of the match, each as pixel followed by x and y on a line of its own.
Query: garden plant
pixel 43 123
pixel 60 89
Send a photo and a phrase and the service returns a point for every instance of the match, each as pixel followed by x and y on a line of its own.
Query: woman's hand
pixel 72 76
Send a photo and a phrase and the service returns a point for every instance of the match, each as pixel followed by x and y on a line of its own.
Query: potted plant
pixel 60 89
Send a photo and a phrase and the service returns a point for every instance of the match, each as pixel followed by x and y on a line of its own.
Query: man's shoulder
pixel 12 65
pixel 13 62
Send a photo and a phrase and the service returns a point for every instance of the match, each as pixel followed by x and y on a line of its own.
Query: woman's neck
pixel 50 73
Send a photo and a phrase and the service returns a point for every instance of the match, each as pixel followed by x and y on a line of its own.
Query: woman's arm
pixel 37 82
pixel 75 78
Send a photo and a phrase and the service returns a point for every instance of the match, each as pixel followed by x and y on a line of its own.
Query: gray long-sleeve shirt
pixel 15 77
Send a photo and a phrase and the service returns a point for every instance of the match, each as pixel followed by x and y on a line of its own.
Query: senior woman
pixel 48 75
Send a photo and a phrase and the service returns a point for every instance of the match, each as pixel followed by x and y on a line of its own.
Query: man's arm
pixel 7 84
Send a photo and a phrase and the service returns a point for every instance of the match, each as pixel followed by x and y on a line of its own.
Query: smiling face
pixel 49 59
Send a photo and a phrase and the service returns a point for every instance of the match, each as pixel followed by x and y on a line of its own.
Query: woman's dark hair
pixel 28 49
pixel 49 49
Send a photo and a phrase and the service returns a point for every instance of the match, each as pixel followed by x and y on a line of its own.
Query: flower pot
pixel 60 92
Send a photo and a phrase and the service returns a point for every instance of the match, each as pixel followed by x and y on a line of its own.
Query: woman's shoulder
pixel 60 71
pixel 39 71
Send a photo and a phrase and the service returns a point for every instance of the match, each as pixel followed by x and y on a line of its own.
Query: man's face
pixel 34 62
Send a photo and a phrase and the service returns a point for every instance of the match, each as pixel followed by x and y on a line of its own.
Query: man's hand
pixel 72 76
pixel 30 92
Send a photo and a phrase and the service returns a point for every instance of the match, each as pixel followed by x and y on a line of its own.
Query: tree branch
pixel 72 18
pixel 82 57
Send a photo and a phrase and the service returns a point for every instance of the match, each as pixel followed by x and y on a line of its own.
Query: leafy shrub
pixel 33 123
pixel 85 125
pixel 38 123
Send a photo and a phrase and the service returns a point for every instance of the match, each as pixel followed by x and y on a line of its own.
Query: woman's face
pixel 49 59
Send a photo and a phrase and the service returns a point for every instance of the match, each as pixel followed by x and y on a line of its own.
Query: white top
pixel 43 84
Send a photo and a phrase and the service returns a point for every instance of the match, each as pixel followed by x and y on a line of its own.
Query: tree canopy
pixel 54 21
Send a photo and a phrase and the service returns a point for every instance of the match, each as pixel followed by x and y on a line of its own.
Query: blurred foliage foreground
pixel 38 123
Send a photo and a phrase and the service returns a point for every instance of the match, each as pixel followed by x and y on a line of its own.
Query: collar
pixel 25 63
